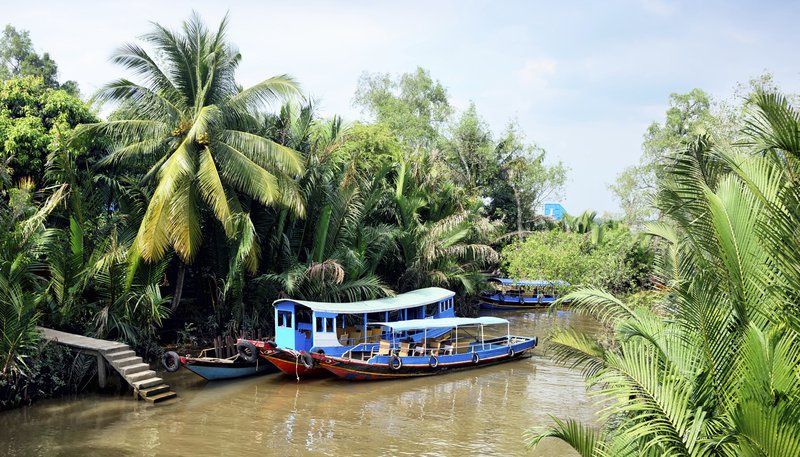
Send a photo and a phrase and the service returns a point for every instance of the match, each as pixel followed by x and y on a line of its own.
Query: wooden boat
pixel 304 327
pixel 520 293
pixel 212 368
pixel 399 358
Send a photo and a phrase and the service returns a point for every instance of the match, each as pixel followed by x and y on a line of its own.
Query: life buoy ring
pixel 395 363
pixel 247 351
pixel 511 352
pixel 433 361
pixel 475 358
pixel 171 361
pixel 307 360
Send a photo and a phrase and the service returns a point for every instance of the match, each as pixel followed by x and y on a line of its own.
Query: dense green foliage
pixel 583 252
pixel 711 368
pixel 36 120
pixel 18 59
pixel 197 202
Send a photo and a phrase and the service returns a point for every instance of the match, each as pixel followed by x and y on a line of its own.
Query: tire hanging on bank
pixel 171 361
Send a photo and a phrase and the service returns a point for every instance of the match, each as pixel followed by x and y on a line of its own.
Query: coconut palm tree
pixel 713 369
pixel 187 126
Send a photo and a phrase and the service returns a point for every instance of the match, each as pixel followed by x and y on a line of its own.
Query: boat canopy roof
pixel 529 282
pixel 444 322
pixel 411 299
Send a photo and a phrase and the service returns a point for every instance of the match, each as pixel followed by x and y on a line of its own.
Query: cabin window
pixel 430 309
pixel 320 324
pixel 329 325
pixel 284 319
pixel 445 305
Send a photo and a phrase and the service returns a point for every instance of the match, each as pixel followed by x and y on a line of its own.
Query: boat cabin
pixel 303 325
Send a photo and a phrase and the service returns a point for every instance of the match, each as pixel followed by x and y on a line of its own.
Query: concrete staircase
pixel 134 371
pixel 144 381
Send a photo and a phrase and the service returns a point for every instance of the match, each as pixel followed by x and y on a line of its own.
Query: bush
pixel 53 371
pixel 618 261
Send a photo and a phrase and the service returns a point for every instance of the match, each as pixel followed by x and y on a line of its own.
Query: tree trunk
pixel 519 213
pixel 176 299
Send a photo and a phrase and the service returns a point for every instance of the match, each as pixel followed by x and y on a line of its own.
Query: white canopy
pixel 407 300
pixel 445 322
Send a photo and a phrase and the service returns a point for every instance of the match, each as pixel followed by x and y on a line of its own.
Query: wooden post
pixel 101 370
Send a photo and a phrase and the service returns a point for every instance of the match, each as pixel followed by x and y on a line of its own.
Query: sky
pixel 582 79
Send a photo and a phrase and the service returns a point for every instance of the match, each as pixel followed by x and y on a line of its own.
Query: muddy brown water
pixel 476 412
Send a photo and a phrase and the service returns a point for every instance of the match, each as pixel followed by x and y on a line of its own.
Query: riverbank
pixel 483 412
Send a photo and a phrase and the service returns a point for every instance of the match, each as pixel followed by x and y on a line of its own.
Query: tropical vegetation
pixel 711 368
pixel 175 205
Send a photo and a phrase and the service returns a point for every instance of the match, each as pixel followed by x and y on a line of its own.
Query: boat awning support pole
pixel 483 340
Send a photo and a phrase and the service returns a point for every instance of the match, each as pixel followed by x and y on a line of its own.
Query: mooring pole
pixel 101 370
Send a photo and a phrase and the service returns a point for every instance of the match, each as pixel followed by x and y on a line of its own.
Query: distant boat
pixel 212 368
pixel 304 327
pixel 398 357
pixel 520 293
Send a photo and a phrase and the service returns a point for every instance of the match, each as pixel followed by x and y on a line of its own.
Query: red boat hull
pixel 292 365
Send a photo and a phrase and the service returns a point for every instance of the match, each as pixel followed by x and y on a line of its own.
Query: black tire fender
pixel 247 351
pixel 511 352
pixel 171 361
pixel 475 358
pixel 307 360
pixel 395 363
pixel 433 362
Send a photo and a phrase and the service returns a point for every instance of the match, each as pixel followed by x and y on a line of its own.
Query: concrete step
pixel 120 355
pixel 127 361
pixel 140 375
pixel 135 368
pixel 152 391
pixel 161 397
pixel 117 349
pixel 147 382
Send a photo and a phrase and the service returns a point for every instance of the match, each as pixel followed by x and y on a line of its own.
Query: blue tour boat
pixel 463 347
pixel 520 293
pixel 303 327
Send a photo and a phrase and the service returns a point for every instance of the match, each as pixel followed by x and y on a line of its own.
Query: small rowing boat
pixel 212 368
pixel 403 358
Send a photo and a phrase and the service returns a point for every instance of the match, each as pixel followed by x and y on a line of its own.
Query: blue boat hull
pixel 391 367
pixel 514 302
pixel 214 372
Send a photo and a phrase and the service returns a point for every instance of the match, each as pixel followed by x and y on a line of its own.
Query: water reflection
pixel 478 412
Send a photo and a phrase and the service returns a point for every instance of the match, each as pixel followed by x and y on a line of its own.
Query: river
pixel 477 412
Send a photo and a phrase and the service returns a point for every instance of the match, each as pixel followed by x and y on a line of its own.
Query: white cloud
pixel 537 71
